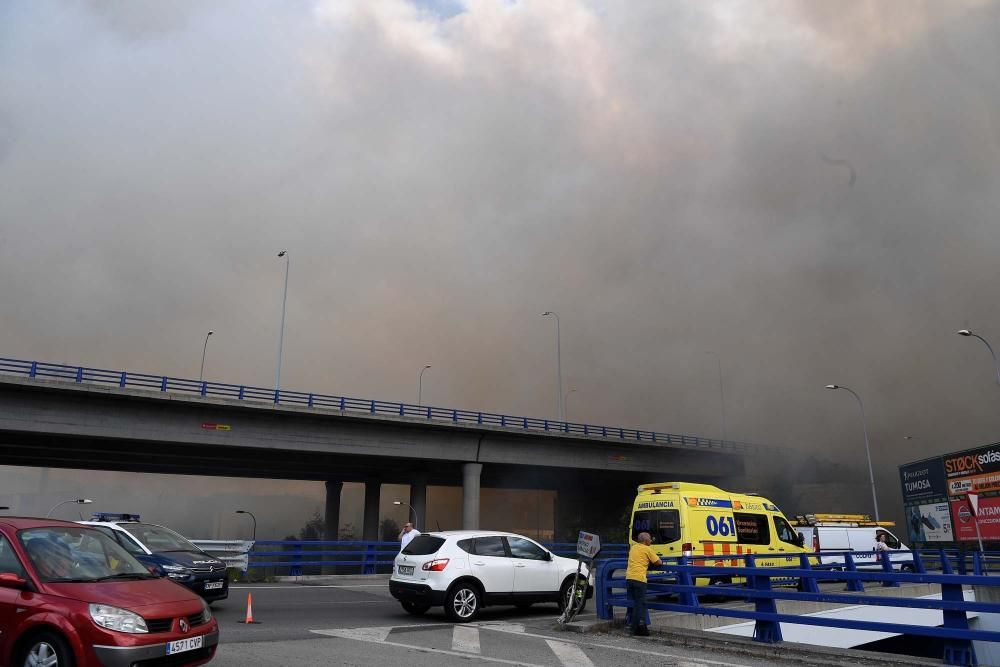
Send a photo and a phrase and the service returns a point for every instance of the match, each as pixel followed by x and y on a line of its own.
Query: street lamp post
pixel 79 501
pixel 420 385
pixel 559 393
pixel 966 332
pixel 201 373
pixel 722 395
pixel 416 519
pixel 566 402
pixel 252 518
pixel 868 451
pixel 281 331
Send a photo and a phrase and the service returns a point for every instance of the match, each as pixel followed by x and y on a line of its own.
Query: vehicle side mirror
pixel 155 571
pixel 11 580
pixel 548 555
pixel 800 539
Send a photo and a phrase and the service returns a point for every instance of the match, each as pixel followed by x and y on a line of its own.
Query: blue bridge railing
pixel 298 557
pixel 124 379
pixel 766 586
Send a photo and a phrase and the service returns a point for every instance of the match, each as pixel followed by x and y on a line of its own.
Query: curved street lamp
pixel 201 373
pixel 559 391
pixel 79 501
pixel 868 451
pixel 967 332
pixel 281 331
pixel 415 517
pixel 420 385
pixel 252 518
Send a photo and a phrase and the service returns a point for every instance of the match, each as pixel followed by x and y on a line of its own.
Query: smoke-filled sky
pixel 809 191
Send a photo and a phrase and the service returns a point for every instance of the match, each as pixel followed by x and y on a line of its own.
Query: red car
pixel 70 596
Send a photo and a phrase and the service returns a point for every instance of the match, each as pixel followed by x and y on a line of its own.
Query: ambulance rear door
pixel 661 519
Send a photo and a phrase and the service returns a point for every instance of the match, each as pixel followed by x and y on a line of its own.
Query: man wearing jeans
pixel 640 557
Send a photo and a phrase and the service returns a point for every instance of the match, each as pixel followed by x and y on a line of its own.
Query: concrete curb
pixel 802 654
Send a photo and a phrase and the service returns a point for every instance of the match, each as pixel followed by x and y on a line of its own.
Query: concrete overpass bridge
pixel 75 417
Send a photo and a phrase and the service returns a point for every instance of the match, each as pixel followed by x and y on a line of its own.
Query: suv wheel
pixel 415 608
pixel 462 603
pixel 46 650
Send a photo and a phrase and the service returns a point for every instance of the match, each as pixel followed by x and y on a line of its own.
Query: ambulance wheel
pixel 719 581
pixel 908 568
pixel 415 608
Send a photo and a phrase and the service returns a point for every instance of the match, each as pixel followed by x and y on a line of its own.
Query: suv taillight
pixel 816 541
pixel 436 565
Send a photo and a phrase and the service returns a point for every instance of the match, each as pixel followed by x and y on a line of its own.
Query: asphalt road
pixel 360 624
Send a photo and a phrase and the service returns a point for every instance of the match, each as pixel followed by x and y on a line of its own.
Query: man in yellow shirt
pixel 640 557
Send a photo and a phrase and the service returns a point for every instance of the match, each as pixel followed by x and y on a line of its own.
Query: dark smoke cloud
pixel 651 171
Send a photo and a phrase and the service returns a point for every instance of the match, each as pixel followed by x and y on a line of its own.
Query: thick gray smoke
pixel 808 191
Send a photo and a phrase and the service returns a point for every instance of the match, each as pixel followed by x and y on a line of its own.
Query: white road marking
pixel 570 655
pixel 699 662
pixel 465 639
pixel 379 635
pixel 360 634
pixel 349 634
pixel 501 626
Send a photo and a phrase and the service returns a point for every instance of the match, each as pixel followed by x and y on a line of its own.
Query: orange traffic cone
pixel 249 618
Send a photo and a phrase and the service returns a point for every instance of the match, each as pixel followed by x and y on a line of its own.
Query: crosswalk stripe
pixel 465 639
pixel 570 655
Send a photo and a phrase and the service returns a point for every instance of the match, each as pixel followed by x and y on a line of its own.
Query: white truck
pixel 833 534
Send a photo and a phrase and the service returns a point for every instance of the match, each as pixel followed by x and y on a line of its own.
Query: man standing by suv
pixel 409 532
pixel 640 557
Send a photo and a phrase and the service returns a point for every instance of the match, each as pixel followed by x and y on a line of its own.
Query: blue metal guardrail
pixel 82 374
pixel 369 557
pixel 765 586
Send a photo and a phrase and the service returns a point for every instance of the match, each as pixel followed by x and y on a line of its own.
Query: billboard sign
pixel 965 522
pixel 929 523
pixel 975 471
pixel 923 481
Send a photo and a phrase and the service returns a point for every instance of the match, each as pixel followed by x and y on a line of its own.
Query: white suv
pixel 466 570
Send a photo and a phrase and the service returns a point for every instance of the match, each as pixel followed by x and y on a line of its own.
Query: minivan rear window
pixel 423 545
pixel 664 526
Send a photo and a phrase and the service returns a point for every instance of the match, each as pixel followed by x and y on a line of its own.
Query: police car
pixel 167 552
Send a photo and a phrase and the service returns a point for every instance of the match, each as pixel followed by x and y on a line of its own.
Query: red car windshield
pixel 78 554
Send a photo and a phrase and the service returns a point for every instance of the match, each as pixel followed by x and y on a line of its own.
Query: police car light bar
pixel 110 516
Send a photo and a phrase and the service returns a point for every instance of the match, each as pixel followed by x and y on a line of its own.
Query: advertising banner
pixel 964 522
pixel 923 481
pixel 976 470
pixel 929 523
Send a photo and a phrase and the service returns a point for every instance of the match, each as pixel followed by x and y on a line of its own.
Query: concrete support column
pixel 418 499
pixel 471 473
pixel 331 511
pixel 373 493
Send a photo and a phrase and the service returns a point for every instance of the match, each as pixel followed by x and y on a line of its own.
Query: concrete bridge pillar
pixel 418 499
pixel 331 510
pixel 471 473
pixel 373 494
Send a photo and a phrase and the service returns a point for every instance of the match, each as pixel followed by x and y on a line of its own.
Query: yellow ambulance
pixel 688 519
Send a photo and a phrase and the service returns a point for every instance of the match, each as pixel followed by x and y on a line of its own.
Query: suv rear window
pixel 423 545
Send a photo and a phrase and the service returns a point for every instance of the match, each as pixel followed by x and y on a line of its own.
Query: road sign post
pixel 974 506
pixel 587 547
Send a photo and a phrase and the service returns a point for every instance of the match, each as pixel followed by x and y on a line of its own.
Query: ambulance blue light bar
pixel 110 516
